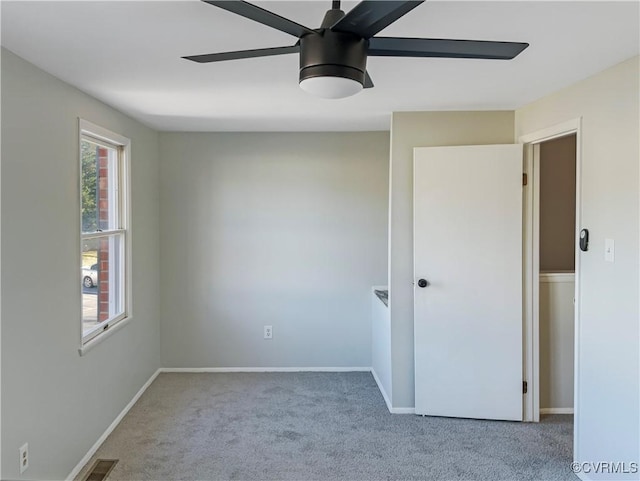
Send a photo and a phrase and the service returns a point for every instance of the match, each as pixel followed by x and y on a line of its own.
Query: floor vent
pixel 100 470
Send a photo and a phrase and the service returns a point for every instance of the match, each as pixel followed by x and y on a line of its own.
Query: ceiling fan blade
pixel 260 52
pixel 368 83
pixel 260 15
pixel 436 47
pixel 370 16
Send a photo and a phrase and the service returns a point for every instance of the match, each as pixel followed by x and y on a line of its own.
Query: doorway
pixel 551 269
pixel 556 177
pixel 527 244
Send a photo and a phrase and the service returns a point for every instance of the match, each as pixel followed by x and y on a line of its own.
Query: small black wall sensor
pixel 584 240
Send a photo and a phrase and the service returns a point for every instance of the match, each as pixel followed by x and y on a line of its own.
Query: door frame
pixel 531 268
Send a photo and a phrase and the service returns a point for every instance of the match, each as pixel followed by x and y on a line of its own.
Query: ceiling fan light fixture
pixel 330 87
pixel 333 58
pixel 332 64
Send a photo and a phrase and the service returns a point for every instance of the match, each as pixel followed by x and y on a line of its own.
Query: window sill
pixel 85 348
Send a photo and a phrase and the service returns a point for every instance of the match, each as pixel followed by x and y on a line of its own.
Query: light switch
pixel 609 250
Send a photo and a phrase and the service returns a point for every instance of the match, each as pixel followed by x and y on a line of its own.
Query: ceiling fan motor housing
pixel 333 54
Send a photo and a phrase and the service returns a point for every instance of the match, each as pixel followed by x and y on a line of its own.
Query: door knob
pixel 423 283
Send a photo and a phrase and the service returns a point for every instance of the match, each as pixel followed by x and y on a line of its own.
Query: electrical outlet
pixel 268 332
pixel 24 457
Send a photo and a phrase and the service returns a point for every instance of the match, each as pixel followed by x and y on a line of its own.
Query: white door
pixel 468 248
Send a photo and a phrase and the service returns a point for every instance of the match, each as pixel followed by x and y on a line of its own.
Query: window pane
pixel 99 187
pixel 102 288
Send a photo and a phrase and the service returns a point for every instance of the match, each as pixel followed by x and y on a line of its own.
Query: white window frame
pixel 102 136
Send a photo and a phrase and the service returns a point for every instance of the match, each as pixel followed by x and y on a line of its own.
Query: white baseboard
pixel 111 427
pixel 387 401
pixel 381 388
pixel 402 410
pixel 265 369
pixel 556 410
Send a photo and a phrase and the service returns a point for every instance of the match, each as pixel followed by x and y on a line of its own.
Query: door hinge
pixel 524 178
pixel 524 387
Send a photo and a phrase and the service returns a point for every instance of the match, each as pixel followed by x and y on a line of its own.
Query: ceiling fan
pixel 333 58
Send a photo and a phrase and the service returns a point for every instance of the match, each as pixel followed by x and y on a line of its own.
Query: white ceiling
pixel 128 55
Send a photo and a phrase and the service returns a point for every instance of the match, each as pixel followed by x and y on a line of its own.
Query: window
pixel 104 230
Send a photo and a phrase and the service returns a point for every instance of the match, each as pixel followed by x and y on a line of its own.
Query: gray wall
pixel 608 374
pixel 558 204
pixel 288 230
pixel 409 130
pixel 57 401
